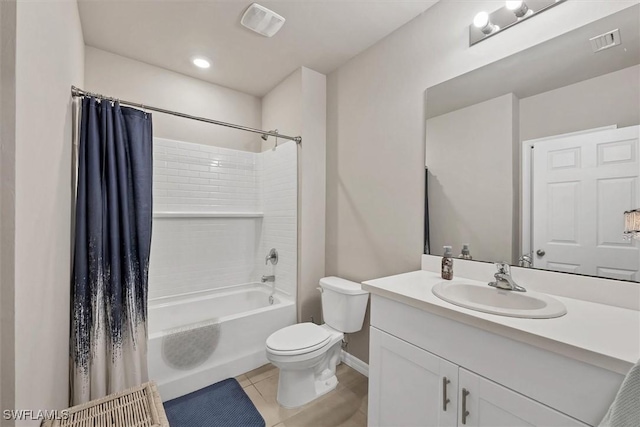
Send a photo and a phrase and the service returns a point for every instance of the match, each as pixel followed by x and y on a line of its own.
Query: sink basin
pixel 531 305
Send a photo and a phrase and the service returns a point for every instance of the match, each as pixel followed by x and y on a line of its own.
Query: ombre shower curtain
pixel 111 250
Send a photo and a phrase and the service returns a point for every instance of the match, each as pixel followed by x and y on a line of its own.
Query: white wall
pixel 281 108
pixel 49 59
pixel 297 106
pixel 469 154
pixel 312 194
pixel 605 100
pixel 120 77
pixel 375 169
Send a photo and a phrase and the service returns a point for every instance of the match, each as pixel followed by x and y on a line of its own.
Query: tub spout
pixel 271 279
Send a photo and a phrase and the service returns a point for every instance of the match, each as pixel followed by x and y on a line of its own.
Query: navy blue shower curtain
pixel 111 252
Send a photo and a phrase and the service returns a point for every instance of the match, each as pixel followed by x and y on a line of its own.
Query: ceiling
pixel 321 35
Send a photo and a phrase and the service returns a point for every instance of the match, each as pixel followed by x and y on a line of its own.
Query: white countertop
pixel 598 334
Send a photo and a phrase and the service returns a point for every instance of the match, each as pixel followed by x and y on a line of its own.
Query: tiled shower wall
pixel 214 216
pixel 279 200
pixel 201 178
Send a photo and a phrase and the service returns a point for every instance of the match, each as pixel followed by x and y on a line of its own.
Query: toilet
pixel 306 353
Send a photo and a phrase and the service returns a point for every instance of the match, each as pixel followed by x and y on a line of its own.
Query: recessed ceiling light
pixel 201 63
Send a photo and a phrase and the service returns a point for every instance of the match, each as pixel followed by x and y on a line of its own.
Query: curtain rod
pixel 77 92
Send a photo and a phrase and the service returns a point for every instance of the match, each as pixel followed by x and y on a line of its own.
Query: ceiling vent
pixel 262 20
pixel 605 41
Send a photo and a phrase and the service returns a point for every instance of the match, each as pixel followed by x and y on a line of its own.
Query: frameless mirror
pixel 533 159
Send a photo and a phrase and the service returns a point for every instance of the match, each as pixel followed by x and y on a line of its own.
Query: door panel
pixel 406 385
pixel 492 405
pixel 582 184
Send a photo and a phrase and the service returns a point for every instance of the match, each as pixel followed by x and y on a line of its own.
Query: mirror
pixel 533 159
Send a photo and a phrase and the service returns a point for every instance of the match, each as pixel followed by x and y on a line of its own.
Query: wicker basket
pixel 139 406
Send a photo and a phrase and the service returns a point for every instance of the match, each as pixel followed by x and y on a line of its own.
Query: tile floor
pixel 346 406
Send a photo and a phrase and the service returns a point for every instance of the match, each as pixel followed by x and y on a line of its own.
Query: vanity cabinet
pixel 411 387
pixel 512 380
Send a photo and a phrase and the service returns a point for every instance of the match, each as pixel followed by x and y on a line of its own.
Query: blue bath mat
pixel 222 404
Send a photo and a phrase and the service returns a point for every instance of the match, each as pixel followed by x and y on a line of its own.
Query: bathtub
pixel 201 338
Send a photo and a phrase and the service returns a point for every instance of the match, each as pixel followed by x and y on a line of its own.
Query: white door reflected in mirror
pixel 582 184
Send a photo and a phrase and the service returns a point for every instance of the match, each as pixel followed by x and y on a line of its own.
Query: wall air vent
pixel 605 41
pixel 262 20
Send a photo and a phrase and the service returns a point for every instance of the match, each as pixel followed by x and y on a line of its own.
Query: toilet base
pixel 302 382
pixel 290 398
pixel 325 386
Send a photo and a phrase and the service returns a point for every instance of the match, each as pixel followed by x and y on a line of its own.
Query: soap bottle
pixel 466 253
pixel 447 263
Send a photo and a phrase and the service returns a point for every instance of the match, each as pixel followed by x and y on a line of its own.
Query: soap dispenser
pixel 466 252
pixel 447 263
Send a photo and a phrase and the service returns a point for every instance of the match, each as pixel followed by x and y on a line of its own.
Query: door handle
pixel 540 252
pixel 445 381
pixel 465 413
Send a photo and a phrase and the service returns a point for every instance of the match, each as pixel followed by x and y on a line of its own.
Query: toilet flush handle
pixel 319 288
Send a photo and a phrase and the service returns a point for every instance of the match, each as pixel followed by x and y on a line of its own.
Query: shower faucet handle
pixel 271 256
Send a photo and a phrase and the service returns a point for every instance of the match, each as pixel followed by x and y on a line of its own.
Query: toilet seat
pixel 298 339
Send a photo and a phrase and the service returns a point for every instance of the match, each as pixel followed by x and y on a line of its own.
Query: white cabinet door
pixel 491 405
pixel 407 385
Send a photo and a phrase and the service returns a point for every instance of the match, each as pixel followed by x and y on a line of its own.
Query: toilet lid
pixel 298 339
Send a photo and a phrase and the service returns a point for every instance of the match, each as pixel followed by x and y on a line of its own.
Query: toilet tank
pixel 343 304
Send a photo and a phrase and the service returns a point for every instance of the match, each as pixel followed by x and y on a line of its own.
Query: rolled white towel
pixel 625 409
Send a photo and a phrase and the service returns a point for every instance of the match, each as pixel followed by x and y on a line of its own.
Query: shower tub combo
pixel 217 212
pixel 201 338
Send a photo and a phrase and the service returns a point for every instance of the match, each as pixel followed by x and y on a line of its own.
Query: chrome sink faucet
pixel 525 261
pixel 504 280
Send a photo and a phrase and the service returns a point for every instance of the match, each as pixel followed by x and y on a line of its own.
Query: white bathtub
pixel 198 339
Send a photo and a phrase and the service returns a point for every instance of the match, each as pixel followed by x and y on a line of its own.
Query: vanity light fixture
pixel 513 12
pixel 201 62
pixel 632 224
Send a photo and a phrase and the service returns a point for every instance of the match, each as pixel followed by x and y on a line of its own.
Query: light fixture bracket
pixel 504 18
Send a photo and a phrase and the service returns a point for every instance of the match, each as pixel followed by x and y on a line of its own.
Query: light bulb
pixel 518 7
pixel 481 20
pixel 514 4
pixel 201 63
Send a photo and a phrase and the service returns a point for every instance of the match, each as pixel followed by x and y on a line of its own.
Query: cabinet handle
pixel 465 413
pixel 445 381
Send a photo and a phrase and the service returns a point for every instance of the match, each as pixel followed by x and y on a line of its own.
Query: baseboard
pixel 355 363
